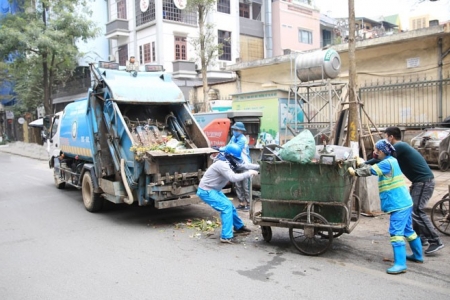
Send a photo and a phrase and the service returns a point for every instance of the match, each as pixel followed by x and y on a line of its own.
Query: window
pixel 55 126
pixel 225 40
pixel 256 11
pixel 305 36
pixel 223 6
pixel 172 13
pixel 244 10
pixel 153 51
pixel 123 55
pixel 180 48
pixel 419 23
pixel 122 9
pixel 147 57
pixel 326 38
pixel 143 17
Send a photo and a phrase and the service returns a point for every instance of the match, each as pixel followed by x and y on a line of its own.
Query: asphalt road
pixel 51 248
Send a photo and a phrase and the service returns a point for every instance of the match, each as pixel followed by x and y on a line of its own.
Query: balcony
pixel 183 69
pixel 116 29
pixel 251 27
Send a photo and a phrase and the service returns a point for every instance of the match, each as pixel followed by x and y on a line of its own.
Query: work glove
pixel 253 172
pixel 351 171
pixel 359 161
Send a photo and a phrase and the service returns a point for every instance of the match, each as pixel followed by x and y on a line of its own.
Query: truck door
pixel 53 141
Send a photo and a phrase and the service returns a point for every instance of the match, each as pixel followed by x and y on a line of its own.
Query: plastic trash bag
pixel 300 149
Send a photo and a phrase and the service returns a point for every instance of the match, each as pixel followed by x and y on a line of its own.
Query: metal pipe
pixel 268 28
pixel 129 199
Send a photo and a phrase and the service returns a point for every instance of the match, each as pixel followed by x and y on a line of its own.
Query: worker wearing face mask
pixel 242 188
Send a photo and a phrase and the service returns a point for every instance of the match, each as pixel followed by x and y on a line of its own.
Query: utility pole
pixel 353 120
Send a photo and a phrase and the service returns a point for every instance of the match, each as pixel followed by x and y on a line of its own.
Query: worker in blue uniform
pixel 396 201
pixel 242 188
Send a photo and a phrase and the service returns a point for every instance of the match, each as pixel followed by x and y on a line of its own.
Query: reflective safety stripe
pixel 377 169
pixel 396 238
pixel 391 183
pixel 412 237
pixel 76 150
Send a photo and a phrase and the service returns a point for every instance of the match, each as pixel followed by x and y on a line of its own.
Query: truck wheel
pixel 444 161
pixel 92 201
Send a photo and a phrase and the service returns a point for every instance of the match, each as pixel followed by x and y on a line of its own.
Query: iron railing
pixel 406 102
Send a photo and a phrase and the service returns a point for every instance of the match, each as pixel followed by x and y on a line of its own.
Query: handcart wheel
pixel 444 161
pixel 308 240
pixel 353 218
pixel 266 233
pixel 440 215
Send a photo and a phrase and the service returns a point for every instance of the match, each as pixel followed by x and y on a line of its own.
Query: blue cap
pixel 238 126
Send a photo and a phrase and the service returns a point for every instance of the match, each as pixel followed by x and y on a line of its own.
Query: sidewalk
pixel 30 150
pixel 39 152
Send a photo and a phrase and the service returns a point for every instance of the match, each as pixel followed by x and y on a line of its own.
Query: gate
pixel 406 102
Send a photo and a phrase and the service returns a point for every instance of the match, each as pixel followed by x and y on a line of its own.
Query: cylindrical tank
pixel 75 132
pixel 317 65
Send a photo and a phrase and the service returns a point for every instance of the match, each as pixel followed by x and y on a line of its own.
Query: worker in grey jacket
pixel 210 190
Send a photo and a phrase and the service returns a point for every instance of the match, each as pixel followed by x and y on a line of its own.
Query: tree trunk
pixel 203 58
pixel 46 76
pixel 46 86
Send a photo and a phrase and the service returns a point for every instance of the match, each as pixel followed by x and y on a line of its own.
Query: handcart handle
pixel 320 161
pixel 326 155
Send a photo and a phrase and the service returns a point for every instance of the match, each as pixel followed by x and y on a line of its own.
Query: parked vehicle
pixel 434 145
pixel 217 127
pixel 131 140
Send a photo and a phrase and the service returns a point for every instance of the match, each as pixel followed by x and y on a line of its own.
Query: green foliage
pixel 205 44
pixel 42 38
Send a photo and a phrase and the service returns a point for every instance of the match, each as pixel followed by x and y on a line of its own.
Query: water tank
pixel 317 65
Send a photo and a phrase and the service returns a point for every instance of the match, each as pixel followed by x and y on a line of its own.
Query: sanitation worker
pixel 242 188
pixel 210 190
pixel 416 169
pixel 396 201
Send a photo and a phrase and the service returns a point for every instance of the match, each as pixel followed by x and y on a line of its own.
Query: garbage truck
pixel 132 140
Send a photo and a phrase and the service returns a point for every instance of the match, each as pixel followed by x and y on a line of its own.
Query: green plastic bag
pixel 301 148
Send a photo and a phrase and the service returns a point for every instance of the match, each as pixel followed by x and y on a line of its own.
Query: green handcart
pixel 316 201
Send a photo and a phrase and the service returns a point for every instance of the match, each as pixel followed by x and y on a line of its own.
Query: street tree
pixel 205 44
pixel 42 39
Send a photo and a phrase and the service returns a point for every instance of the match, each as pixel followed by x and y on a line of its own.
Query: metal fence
pixel 406 102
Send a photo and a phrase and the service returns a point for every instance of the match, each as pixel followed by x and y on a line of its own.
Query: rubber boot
pixel 416 247
pixel 399 260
